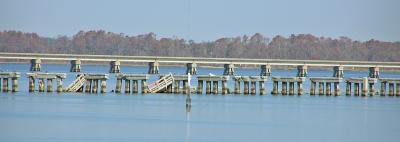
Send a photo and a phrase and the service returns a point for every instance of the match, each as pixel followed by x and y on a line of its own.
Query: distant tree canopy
pixel 301 46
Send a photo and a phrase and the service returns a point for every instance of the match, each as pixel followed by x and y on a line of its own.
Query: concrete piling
pixel 153 68
pixel 374 72
pixel 237 86
pixel 88 87
pixel 75 66
pixel 398 89
pixel 95 85
pixel 275 88
pixel 348 88
pixel 365 86
pixel 35 64
pixel 208 87
pixel 103 86
pixel 118 85
pixel 284 88
pixel 321 88
pixel 291 88
pixel 5 84
pixel 177 87
pixel 312 88
pixel 229 69
pixel 265 70
pixel 391 89
pixel 14 84
pixel 31 84
pixel 337 89
pixel 59 85
pixel 253 87
pixel 299 88
pixel 115 67
pixel 383 88
pixel 328 88
pixel 338 71
pixel 302 71
pixel 135 86
pixel 371 89
pixel 41 85
pixel 245 87
pixel 186 89
pixel 191 68
pixel 356 89
pixel 261 85
pixel 144 87
pixel 215 87
pixel 224 87
pixel 200 87
pixel 127 86
pixel 49 85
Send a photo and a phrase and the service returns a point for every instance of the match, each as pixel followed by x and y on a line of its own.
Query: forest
pixel 299 46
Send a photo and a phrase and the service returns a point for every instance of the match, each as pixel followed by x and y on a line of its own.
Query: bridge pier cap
pixel 75 65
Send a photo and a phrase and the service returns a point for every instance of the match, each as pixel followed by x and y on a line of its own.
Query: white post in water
pixel 365 86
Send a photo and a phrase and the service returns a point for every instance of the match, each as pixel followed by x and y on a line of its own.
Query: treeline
pixel 301 46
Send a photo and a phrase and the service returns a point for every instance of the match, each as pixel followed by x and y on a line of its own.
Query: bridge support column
pixel 127 86
pixel 75 66
pixel 261 85
pixel 284 88
pixel 191 68
pixel 328 88
pixel 348 88
pixel 208 87
pixel 200 87
pixel 338 71
pixel 253 87
pixel 118 85
pixel 229 69
pixel 356 89
pixel 31 84
pixel 35 65
pixel 115 67
pixel 144 86
pixel 299 88
pixel 177 87
pixel 312 88
pixel 245 87
pixel 373 72
pixel 135 86
pixel 321 88
pixel 397 89
pixel 49 85
pixel 275 88
pixel 302 71
pixel 391 89
pixel 41 85
pixel 14 84
pixel 371 89
pixel 365 86
pixel 186 88
pixel 153 68
pixel 383 88
pixel 215 87
pixel 237 86
pixel 95 85
pixel 5 85
pixel 337 89
pixel 88 87
pixel 103 85
pixel 224 87
pixel 265 70
pixel 291 88
pixel 59 85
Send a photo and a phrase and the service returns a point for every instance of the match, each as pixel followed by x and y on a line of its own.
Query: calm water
pixel 87 117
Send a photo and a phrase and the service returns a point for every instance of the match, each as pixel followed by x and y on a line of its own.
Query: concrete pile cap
pixel 212 78
pixel 288 79
pixel 392 80
pixel 132 76
pixel 47 75
pixel 96 76
pixel 10 74
pixel 326 79
pixel 360 80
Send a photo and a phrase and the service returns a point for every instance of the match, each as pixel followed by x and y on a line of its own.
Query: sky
pixel 206 20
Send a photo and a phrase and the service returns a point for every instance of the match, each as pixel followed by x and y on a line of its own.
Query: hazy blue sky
pixel 204 20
